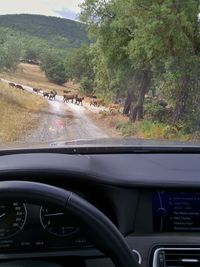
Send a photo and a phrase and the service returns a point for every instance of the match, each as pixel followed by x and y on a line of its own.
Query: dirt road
pixel 64 122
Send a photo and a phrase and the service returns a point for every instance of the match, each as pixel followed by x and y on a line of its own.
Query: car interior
pixel 100 133
pixel 65 208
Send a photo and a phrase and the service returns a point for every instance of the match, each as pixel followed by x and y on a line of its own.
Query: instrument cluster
pixel 26 226
pixel 13 216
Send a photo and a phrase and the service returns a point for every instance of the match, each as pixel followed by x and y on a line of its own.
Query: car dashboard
pixel 153 199
pixel 32 228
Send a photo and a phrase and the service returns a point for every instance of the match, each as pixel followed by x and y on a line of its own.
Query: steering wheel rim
pixel 102 232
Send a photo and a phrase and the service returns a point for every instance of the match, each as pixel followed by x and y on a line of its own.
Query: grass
pixel 19 113
pixel 145 129
pixel 151 130
pixel 32 75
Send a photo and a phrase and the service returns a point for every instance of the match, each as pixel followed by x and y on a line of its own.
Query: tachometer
pixel 12 218
pixel 58 222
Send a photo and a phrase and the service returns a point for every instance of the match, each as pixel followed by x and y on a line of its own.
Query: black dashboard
pixel 153 199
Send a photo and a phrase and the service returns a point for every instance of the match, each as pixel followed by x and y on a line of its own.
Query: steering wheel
pixel 102 232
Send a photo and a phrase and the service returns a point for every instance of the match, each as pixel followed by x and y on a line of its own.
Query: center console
pixel 176 211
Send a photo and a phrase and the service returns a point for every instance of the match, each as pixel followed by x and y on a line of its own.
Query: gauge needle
pixel 52 214
pixel 3 214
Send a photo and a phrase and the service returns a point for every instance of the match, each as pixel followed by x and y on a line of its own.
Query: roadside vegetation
pixel 144 129
pixel 146 56
pixel 19 113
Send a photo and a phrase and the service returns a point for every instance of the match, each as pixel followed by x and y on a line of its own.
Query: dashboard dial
pixel 58 222
pixel 12 218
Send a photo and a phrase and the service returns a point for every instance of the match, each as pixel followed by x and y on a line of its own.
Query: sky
pixel 59 8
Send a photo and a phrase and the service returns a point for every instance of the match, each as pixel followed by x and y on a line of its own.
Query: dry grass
pixel 32 75
pixel 18 113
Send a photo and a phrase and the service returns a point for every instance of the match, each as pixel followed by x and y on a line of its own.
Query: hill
pixel 52 29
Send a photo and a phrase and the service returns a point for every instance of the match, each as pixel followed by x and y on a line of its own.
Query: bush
pixel 86 85
pixel 154 111
pixel 104 113
pixel 126 128
pixel 56 73
pixel 10 53
pixel 157 130
pixel 53 66
pixel 191 123
pixel 151 130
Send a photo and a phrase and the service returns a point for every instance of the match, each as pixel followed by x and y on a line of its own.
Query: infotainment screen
pixel 176 211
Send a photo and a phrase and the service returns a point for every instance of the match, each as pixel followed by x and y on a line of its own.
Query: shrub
pixel 104 113
pixel 53 66
pixel 56 73
pixel 151 130
pixel 154 111
pixel 126 128
pixel 86 85
pixel 157 130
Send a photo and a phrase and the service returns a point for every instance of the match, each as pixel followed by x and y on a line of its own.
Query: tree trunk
pixel 182 100
pixel 130 97
pixel 137 111
pixel 128 102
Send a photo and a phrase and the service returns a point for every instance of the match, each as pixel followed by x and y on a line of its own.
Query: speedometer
pixel 58 222
pixel 12 218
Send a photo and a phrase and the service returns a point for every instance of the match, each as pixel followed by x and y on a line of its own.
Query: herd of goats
pixel 113 108
pixel 68 96
pixel 52 94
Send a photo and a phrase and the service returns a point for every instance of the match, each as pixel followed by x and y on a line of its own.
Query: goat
pixel 46 94
pixel 66 98
pixel 36 90
pixel 79 100
pixel 19 87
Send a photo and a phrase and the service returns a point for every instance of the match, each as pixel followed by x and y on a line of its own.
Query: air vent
pixel 180 257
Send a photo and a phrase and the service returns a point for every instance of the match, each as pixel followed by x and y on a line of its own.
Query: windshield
pixel 93 69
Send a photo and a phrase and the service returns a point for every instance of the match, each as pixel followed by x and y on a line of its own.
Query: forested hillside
pixel 51 29
pixel 41 40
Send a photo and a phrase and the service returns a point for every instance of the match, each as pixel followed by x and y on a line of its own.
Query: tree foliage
pixel 45 40
pixel 59 33
pixel 146 44
pixel 79 67
pixel 10 51
pixel 52 64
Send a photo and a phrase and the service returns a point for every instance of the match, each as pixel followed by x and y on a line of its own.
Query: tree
pixel 52 64
pixel 113 26
pixel 33 48
pixel 10 53
pixel 78 67
pixel 173 50
pixel 147 38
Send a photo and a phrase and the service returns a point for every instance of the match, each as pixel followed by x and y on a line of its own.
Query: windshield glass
pixel 93 69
